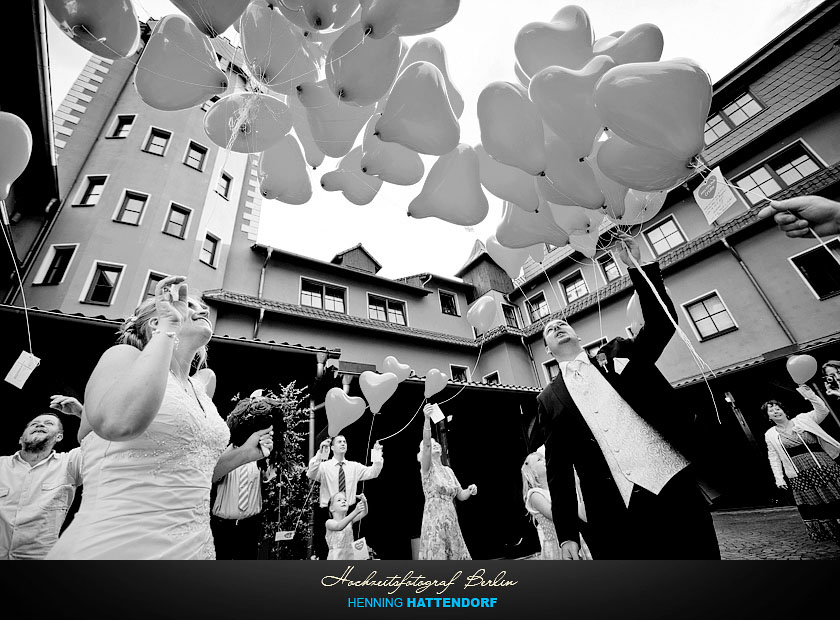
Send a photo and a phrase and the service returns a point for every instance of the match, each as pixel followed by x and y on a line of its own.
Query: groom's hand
pixel 570 550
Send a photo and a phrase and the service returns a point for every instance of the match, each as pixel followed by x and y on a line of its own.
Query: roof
pixel 477 252
pixel 483 386
pixel 431 276
pixel 337 258
pixel 809 185
pixel 335 318
pixel 78 317
pixel 347 271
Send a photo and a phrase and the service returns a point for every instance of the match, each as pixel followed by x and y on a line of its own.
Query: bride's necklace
pixel 194 393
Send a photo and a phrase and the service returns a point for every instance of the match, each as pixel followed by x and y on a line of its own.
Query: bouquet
pixel 256 412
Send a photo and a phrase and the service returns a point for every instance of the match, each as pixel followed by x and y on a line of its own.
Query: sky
pixel 718 34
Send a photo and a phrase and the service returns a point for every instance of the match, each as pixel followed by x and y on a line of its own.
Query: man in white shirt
pixel 37 486
pixel 337 474
pixel 618 424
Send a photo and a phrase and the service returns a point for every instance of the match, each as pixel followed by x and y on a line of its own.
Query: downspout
pixel 531 357
pixel 258 324
pixel 760 291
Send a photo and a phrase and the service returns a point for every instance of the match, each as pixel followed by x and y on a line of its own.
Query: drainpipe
pixel 760 291
pixel 258 324
pixel 531 357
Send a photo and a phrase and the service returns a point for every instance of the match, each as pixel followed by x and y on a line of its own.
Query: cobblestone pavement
pixel 768 534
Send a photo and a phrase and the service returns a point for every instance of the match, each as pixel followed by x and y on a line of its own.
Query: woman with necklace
pixel 157 440
pixel 801 453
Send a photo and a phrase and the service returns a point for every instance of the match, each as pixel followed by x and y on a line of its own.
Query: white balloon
pixel 613 191
pixel 507 182
pixel 520 229
pixel 640 207
pixel 418 114
pixel 103 27
pixel 391 162
pixel 349 179
pixel 431 50
pixel 511 127
pixel 282 173
pixel 360 70
pixel 247 122
pixel 406 17
pixel 212 17
pixel 568 180
pixel 300 123
pixel 512 260
pixel 334 125
pixel 452 191
pixel 326 14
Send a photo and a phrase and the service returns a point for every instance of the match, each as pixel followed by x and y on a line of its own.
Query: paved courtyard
pixel 768 534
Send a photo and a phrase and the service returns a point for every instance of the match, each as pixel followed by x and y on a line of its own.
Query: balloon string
pixel 598 299
pixel 480 347
pixel 303 508
pixel 701 363
pixel 406 426
pixel 17 272
pixel 553 290
pixel 370 434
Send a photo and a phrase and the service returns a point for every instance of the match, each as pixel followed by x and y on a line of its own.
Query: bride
pixel 158 440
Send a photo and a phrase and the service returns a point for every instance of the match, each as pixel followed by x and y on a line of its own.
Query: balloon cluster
pixel 595 128
pixel 318 69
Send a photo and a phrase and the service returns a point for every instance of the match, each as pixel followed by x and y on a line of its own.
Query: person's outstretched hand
pixel 67 405
pixel 795 215
pixel 570 550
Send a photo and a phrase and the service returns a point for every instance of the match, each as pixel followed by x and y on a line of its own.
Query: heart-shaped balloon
pixel 568 178
pixel 585 243
pixel 334 125
pixel 360 70
pixel 282 173
pixel 521 229
pixel 378 388
pixel 212 17
pixel 571 218
pixel 435 382
pixel 642 43
pixel 512 260
pixel 406 17
pixel 482 313
pixel 390 161
pixel 392 364
pixel 640 167
pixel 342 410
pixel 507 182
pixel 178 69
pixel 511 127
pixel 417 114
pixel 247 122
pixel 661 105
pixel 640 207
pixel 326 14
pixel 17 148
pixel 565 100
pixel 801 368
pixel 613 191
pixel 348 178
pixel 300 124
pixel 106 28
pixel 431 50
pixel 565 42
pixel 452 190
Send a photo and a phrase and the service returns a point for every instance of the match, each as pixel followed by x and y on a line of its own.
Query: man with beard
pixel 37 485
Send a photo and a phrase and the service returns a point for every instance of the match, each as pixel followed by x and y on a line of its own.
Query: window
pixel 122 126
pixel 574 287
pixel 820 270
pixel 552 369
pixel 196 154
pixel 538 307
pixel 609 267
pixel 665 236
pixel 511 315
pixel 177 221
pixel 549 247
pixel 448 303
pixel 592 348
pixel 56 264
pixel 209 104
pixel 778 173
pixel 131 209
pixel 151 283
pixel 383 309
pixel 103 285
pixel 492 379
pixel 629 331
pixel 709 316
pixel 324 296
pixel 157 142
pixel 209 250
pixel 92 191
pixel 732 115
pixel 459 373
pixel 225 181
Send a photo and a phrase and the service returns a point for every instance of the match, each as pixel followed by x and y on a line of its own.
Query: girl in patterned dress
pixel 802 456
pixel 440 534
pixel 339 534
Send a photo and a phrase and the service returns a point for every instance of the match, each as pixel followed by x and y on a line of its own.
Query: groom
pixel 618 424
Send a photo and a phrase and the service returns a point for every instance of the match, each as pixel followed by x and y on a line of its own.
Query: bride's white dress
pixel 149 498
